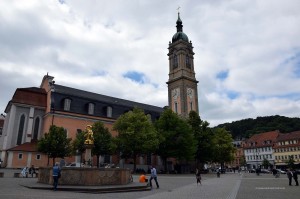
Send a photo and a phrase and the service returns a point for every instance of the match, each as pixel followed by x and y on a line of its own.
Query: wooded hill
pixel 247 127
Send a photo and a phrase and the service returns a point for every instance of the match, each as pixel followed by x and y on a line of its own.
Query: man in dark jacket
pixel 295 176
pixel 290 176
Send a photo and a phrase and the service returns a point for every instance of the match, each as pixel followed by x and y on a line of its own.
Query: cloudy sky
pixel 247 52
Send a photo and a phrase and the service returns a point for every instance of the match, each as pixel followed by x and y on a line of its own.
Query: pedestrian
pixel 24 172
pixel 290 176
pixel 56 175
pixel 143 178
pixel 32 170
pixel 198 176
pixel 153 176
pixel 295 176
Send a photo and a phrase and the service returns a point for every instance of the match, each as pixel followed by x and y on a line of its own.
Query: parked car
pixel 265 171
pixel 75 164
pixel 281 171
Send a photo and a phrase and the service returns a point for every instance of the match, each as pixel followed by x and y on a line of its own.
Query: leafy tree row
pixel 171 136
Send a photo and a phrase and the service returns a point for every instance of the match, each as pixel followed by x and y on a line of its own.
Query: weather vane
pixel 178 9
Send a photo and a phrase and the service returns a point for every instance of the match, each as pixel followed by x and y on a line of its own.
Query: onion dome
pixel 179 35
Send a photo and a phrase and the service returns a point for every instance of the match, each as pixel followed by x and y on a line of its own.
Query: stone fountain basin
pixel 86 176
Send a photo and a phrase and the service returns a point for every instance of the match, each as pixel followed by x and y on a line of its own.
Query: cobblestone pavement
pixel 228 186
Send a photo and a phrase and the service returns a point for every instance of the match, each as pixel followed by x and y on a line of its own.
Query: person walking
pixel 153 176
pixel 198 176
pixel 295 176
pixel 290 176
pixel 55 175
pixel 32 171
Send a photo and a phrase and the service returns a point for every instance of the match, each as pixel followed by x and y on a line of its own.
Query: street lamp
pixel 52 89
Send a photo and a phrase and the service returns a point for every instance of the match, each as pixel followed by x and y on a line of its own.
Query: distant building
pixel 238 155
pixel 287 146
pixel 260 147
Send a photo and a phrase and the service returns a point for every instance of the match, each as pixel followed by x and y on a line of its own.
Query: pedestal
pixel 88 155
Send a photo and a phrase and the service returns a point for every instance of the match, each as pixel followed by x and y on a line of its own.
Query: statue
pixel 89 138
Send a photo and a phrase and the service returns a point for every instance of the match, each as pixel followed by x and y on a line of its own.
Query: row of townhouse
pixel 275 147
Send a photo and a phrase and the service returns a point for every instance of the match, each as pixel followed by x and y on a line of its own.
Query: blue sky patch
pixel 222 75
pixel 135 76
pixel 232 94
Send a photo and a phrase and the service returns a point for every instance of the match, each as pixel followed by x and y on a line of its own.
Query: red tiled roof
pixel 29 96
pixel 28 147
pixel 262 139
pixel 289 136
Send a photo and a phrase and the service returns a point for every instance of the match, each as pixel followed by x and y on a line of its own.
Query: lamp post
pixel 52 103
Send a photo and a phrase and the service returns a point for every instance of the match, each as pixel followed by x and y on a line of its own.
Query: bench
pixel 16 175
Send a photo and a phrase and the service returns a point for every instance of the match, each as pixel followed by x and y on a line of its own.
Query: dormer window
pixel 67 104
pixel 109 111
pixel 91 109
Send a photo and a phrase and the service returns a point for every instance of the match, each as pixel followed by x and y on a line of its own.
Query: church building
pixel 31 111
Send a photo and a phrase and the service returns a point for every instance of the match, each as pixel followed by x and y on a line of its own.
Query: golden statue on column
pixel 89 138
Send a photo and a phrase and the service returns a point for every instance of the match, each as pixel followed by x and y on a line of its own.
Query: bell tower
pixel 182 83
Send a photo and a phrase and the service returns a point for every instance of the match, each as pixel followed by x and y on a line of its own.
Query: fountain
pixel 87 175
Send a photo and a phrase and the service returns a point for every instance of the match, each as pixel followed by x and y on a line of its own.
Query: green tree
pixel 55 143
pixel 223 148
pixel 78 144
pixel 243 161
pixel 136 134
pixel 103 141
pixel 266 163
pixel 203 137
pixel 291 162
pixel 176 138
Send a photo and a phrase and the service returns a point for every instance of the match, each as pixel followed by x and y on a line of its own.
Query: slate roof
pixel 104 98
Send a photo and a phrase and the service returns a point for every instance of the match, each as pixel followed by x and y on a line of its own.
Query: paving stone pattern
pixel 228 186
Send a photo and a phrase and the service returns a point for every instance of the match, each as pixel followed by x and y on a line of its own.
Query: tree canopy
pixel 247 127
pixel 103 141
pixel 176 137
pixel 203 137
pixel 136 134
pixel 55 143
pixel 223 148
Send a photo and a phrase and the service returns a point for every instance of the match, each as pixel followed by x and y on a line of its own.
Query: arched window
pixel 21 129
pixel 187 61
pixel 175 61
pixel 36 128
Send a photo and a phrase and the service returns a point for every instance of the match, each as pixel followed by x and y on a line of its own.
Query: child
pixel 198 176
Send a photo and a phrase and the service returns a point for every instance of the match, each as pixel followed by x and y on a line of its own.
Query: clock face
pixel 190 92
pixel 175 93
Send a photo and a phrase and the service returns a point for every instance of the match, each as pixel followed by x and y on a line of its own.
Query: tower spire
pixel 179 22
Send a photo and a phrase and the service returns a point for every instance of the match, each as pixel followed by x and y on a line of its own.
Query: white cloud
pixel 90 45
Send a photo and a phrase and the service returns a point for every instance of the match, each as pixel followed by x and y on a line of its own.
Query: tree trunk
pixel 98 156
pixel 53 161
pixel 134 163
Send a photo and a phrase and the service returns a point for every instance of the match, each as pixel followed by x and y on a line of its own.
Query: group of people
pixel 291 173
pixel 153 176
pixel 25 171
